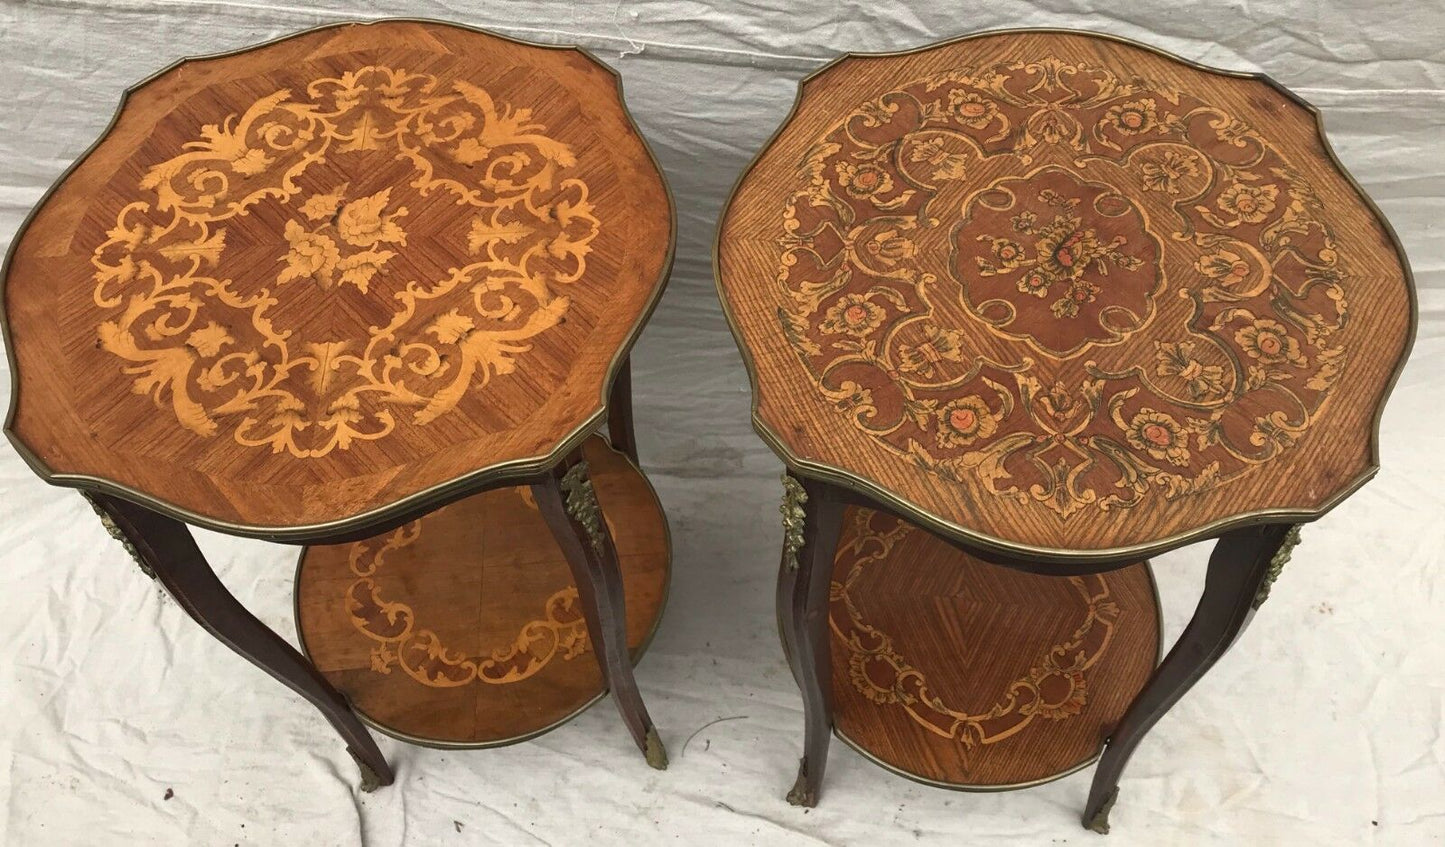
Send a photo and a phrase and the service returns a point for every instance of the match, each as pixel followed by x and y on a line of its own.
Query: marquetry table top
pixel 1055 292
pixel 325 276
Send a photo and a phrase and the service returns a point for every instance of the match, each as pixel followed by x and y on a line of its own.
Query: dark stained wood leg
pixel 812 519
pixel 1241 569
pixel 165 549
pixel 619 413
pixel 568 503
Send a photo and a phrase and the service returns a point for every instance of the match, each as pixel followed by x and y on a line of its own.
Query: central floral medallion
pixel 341 241
pixel 340 258
pixel 1056 261
pixel 1067 288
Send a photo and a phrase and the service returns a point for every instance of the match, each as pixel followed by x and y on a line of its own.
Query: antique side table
pixel 1021 310
pixel 318 290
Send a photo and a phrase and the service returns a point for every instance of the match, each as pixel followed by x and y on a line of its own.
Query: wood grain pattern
pixel 971 675
pixel 303 282
pixel 1060 293
pixel 464 628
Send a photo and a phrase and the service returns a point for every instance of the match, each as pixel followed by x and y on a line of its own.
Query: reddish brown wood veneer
pixel 969 675
pixel 296 285
pixel 462 629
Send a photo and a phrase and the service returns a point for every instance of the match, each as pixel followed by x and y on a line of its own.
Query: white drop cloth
pixel 1322 727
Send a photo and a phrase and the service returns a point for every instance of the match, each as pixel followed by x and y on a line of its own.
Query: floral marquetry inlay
pixel 1055 688
pixel 293 286
pixel 1073 288
pixel 400 641
pixel 263 288
pixel 1082 265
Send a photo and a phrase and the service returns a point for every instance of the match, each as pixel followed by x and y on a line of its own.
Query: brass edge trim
pixel 838 476
pixel 476 481
pixel 954 786
pixel 1015 786
pixel 637 655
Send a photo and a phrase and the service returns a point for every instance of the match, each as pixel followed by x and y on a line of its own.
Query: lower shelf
pixel 967 675
pixel 463 628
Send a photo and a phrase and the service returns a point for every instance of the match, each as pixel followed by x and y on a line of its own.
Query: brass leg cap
pixel 801 794
pixel 1099 820
pixel 370 779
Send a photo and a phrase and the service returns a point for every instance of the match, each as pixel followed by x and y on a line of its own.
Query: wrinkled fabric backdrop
pixel 1323 726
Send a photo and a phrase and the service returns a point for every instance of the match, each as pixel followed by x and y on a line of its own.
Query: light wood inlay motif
pixel 303 282
pixel 194 337
pixel 1061 291
pixel 1055 687
pixel 1052 188
pixel 969 674
pixel 465 627
pixel 420 653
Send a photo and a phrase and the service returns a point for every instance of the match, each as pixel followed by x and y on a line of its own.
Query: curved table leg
pixel 569 505
pixel 812 519
pixel 1241 569
pixel 619 412
pixel 165 549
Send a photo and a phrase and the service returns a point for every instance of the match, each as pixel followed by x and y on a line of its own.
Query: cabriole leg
pixel 165 550
pixel 812 519
pixel 569 504
pixel 1242 568
pixel 619 413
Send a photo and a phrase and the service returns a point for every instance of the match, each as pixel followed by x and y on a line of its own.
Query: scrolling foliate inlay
pixel 1055 688
pixel 213 283
pixel 1068 288
pixel 561 631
